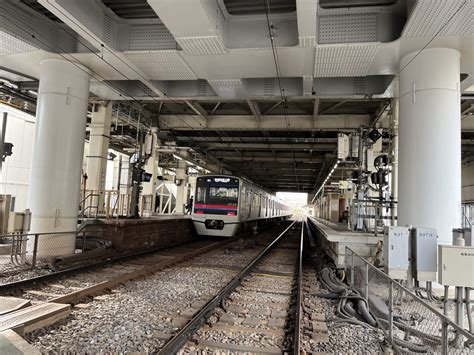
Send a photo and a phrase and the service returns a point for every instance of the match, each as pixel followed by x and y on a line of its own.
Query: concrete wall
pixel 16 169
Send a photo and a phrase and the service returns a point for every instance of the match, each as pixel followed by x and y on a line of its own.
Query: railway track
pixel 223 259
pixel 259 310
pixel 73 285
pixel 238 295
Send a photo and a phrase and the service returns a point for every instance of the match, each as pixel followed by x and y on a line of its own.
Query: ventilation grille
pixel 12 45
pixel 201 87
pixel 226 82
pixel 254 7
pixel 429 16
pixel 210 45
pixel 151 37
pixel 15 35
pixel 348 28
pixel 107 30
pixel 220 23
pixel 359 86
pixel 227 88
pixel 162 65
pixel 344 60
pixel 307 41
pixel 269 87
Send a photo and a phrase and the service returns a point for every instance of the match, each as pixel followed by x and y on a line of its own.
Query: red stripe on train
pixel 199 205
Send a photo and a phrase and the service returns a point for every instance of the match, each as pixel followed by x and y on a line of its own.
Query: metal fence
pixel 410 324
pixel 28 251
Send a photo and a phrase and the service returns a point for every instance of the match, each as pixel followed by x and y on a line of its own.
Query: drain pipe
pixel 459 241
pixel 394 156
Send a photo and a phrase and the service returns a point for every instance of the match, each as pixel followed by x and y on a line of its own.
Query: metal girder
pixel 316 108
pixel 466 108
pixel 253 105
pixel 272 108
pixel 381 112
pixel 268 146
pixel 263 166
pixel 332 107
pixel 214 109
pixel 267 123
pixel 267 159
pixel 196 107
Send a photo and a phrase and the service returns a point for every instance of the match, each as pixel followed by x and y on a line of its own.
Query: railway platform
pixel 335 238
pixel 13 344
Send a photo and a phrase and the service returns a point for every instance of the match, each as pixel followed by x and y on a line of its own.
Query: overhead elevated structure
pixel 261 90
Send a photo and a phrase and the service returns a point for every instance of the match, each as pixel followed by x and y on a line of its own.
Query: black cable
pixel 278 72
pixel 97 76
pixel 433 38
pixel 121 60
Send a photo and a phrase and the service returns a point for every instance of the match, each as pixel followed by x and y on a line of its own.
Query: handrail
pixel 415 297
pixel 466 218
pixel 32 234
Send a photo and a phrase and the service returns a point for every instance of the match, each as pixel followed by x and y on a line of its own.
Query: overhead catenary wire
pixel 279 78
pixel 103 47
pixel 80 65
pixel 397 74
pixel 442 28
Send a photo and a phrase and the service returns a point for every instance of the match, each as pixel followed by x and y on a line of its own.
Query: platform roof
pixel 259 89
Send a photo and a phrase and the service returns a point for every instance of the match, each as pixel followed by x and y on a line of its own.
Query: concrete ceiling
pixel 263 96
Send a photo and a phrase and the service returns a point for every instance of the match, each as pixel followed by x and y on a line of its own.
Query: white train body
pixel 222 204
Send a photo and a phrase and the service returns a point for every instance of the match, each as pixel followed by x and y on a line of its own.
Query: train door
pixel 249 203
pixel 265 210
pixel 243 201
pixel 259 205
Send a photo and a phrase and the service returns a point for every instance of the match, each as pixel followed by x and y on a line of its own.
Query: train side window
pixel 201 194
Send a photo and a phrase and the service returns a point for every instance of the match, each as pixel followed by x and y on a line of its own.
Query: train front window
pixel 217 195
pixel 229 194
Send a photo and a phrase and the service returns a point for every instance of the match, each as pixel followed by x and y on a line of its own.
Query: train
pixel 226 205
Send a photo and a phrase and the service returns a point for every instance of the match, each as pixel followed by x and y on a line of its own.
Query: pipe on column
pixel 53 195
pixel 429 190
pixel 394 129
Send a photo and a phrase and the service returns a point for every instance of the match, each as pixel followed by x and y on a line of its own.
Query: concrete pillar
pixel 429 191
pixel 55 178
pixel 98 152
pixel 151 167
pixel 181 191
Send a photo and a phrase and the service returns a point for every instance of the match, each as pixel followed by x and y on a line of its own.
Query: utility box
pixel 424 253
pixel 21 221
pixel 395 251
pixel 342 146
pixel 354 145
pixel 456 265
pixel 466 235
pixel 5 206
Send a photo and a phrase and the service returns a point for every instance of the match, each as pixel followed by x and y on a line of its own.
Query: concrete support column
pixel 98 152
pixel 151 167
pixel 181 191
pixel 429 191
pixel 53 195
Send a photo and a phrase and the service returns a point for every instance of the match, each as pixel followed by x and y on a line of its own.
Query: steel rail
pixel 180 338
pixel 17 285
pixel 299 296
